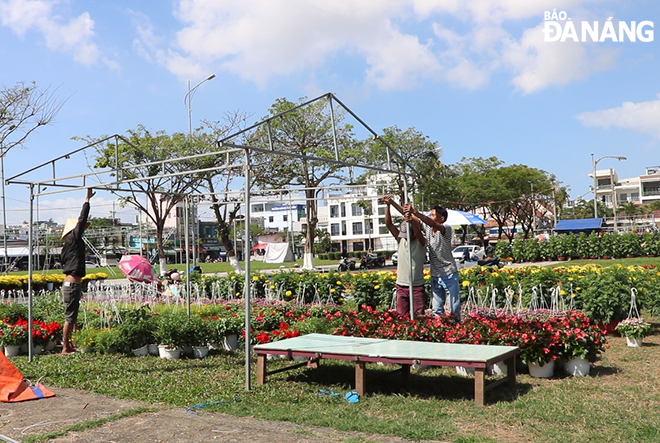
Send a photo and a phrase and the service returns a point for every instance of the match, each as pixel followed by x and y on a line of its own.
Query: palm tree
pixel 629 209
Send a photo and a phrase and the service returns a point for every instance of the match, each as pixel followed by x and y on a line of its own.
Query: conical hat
pixel 70 225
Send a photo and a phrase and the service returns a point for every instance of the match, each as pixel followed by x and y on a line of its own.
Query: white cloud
pixel 536 64
pixel 399 44
pixel 73 37
pixel 639 117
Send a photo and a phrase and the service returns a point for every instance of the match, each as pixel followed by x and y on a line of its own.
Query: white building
pixel 356 221
pixel 613 191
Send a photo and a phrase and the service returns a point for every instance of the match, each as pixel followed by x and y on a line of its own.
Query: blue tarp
pixel 579 225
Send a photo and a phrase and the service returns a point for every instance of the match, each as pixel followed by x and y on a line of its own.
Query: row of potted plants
pixel 15 333
pixel 602 292
pixel 42 281
pixel 583 245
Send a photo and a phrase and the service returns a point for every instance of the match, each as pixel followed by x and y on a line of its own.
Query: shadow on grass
pixel 433 383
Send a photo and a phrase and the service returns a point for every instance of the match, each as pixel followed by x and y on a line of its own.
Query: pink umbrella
pixel 137 268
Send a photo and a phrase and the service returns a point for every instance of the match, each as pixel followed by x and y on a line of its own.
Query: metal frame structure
pixel 113 180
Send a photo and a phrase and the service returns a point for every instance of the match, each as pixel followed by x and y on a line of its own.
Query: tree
pixel 304 132
pixel 162 191
pixel 24 109
pixel 629 209
pixel 413 152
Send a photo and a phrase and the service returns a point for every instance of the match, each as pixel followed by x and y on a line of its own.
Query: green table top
pixel 395 349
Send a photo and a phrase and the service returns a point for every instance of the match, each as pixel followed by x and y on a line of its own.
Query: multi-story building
pixel 612 191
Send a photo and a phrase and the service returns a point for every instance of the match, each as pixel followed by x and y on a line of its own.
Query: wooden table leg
pixel 360 377
pixel 261 369
pixel 405 372
pixel 479 385
pixel 511 372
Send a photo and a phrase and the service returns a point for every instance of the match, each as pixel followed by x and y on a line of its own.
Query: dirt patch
pixel 71 406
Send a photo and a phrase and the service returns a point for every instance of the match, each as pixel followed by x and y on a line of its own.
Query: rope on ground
pixel 201 405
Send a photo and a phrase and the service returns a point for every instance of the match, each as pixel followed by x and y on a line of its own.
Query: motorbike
pixel 346 264
pixel 372 260
pixel 491 261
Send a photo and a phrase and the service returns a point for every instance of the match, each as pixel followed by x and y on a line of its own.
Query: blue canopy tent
pixel 579 225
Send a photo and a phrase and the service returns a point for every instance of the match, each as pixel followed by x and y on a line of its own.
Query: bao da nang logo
pixel 558 27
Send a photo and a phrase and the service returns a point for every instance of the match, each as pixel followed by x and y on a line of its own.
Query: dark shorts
pixel 71 293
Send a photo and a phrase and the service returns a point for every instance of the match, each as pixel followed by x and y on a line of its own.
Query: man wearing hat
pixel 73 267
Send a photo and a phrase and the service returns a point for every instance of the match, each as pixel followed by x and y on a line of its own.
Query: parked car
pixel 474 252
pixel 395 258
pixel 91 264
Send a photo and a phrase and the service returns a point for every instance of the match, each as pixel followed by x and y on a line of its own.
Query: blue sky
pixel 476 76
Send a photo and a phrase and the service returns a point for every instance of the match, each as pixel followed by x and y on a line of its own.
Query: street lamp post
pixel 187 100
pixel 594 163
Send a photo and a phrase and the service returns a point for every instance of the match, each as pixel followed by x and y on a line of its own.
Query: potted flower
pixel 171 334
pixel 225 329
pixel 85 338
pixel 12 337
pixel 581 343
pixel 634 329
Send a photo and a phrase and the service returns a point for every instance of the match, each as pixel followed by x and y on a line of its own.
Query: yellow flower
pixel 570 278
pixel 255 278
pixel 332 290
pixel 287 293
pixel 233 277
pixel 562 292
pixel 272 286
pixel 377 287
pixel 465 283
pixel 338 282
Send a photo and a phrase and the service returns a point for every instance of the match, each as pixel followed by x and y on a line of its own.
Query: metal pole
pixel 411 292
pixel 29 282
pixel 533 210
pixel 4 211
pixel 185 225
pixel 613 198
pixel 246 288
pixel 594 163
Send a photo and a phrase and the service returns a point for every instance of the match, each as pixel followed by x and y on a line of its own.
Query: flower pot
pixel 141 351
pixel 153 349
pixel 541 371
pixel 12 351
pixel 165 351
pixel 187 350
pixel 200 351
pixel 230 342
pixel 633 342
pixel 577 367
pixel 50 346
pixel 499 368
pixel 465 372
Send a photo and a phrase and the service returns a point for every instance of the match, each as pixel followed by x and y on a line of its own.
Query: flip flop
pixel 352 396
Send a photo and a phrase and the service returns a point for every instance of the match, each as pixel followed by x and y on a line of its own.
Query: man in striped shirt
pixel 444 273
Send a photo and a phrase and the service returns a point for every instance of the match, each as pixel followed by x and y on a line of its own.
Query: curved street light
pixel 187 100
pixel 594 163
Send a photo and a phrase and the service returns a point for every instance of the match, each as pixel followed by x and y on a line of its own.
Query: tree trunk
pixel 162 259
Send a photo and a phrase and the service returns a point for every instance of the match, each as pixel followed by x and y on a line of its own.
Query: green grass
pixel 618 402
pixel 207 268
